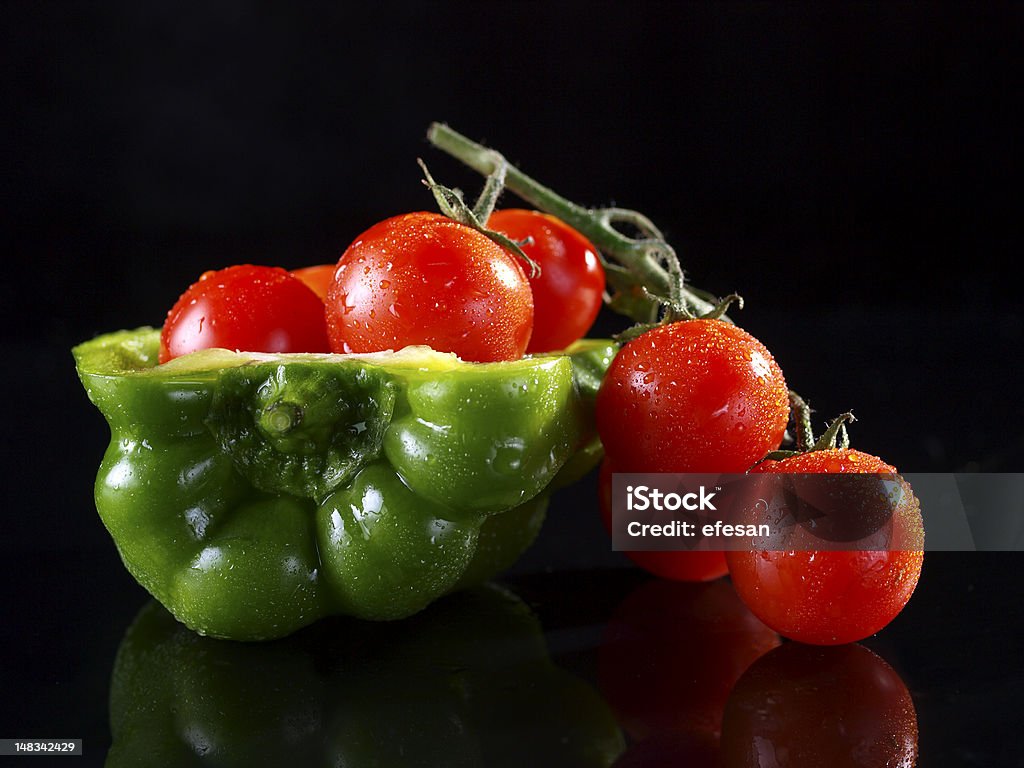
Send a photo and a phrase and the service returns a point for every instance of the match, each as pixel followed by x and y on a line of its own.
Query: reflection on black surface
pixel 670 749
pixel 802 705
pixel 466 683
pixel 695 679
pixel 672 652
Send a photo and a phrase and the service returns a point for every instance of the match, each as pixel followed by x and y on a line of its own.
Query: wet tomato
pixel 692 396
pixel 567 293
pixel 834 596
pixel 422 278
pixel 248 308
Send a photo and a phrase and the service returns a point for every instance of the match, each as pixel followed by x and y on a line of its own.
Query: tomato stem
pixel 719 309
pixel 643 271
pixel 804 428
pixel 836 431
pixel 454 207
pixel 493 187
pixel 835 434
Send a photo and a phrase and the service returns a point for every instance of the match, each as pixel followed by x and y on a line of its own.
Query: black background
pixel 852 170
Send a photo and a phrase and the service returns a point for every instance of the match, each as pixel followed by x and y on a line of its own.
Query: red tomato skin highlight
pixel 421 278
pixel 247 308
pixel 692 396
pixel 568 292
pixel 699 565
pixel 832 597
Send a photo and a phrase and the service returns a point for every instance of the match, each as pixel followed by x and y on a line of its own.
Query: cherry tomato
pixel 422 278
pixel 837 707
pixel 833 597
pixel 692 396
pixel 698 565
pixel 567 293
pixel 672 652
pixel 318 278
pixel 248 308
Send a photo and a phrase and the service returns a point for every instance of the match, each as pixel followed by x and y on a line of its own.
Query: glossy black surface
pixel 826 162
pixel 956 646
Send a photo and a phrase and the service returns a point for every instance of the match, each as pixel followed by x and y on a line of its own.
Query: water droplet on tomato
pixel 393 309
pixel 385 284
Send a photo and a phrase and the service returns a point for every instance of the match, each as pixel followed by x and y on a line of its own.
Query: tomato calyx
pixel 834 436
pixel 717 312
pixel 452 205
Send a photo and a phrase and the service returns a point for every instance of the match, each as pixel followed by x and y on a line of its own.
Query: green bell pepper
pixel 253 494
pixel 467 682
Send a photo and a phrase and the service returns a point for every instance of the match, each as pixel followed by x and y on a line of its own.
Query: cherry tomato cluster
pixel 705 396
pixel 694 393
pixel 418 278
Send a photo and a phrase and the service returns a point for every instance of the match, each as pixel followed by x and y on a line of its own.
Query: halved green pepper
pixel 252 494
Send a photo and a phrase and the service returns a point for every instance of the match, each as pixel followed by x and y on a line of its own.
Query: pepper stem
pixel 644 272
pixel 279 418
